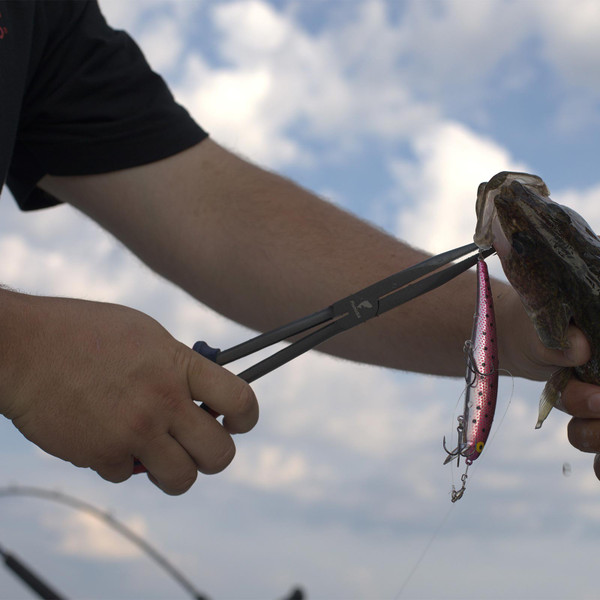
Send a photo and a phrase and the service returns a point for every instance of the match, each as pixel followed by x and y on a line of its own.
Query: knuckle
pixel 151 418
pixel 189 362
pixel 142 424
pixel 172 404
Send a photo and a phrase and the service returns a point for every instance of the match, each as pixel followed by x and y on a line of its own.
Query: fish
pixel 481 351
pixel 551 257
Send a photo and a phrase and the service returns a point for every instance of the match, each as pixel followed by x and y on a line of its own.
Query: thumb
pixel 223 392
pixel 577 352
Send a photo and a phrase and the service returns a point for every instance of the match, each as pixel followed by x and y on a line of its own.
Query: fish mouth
pixel 489 232
pixel 500 242
pixel 487 217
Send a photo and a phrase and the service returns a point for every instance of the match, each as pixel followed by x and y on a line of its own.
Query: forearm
pixel 263 251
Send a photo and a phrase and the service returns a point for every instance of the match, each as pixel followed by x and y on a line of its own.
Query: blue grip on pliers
pixel 207 351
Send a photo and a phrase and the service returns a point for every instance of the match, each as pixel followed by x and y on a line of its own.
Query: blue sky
pixel 396 111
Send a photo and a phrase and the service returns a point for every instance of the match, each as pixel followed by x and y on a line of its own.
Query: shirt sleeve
pixel 92 104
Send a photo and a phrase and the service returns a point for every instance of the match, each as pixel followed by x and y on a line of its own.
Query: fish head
pixel 485 208
pixel 547 251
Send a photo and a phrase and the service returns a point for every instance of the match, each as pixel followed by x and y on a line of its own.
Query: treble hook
pixel 457 452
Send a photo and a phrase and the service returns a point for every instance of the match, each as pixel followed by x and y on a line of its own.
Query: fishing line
pixel 510 397
pixel 419 560
pixel 454 468
pixel 442 522
pixel 475 465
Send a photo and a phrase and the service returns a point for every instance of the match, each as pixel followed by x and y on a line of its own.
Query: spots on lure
pixel 481 351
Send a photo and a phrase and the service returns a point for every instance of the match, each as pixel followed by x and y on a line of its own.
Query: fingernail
pixel 593 403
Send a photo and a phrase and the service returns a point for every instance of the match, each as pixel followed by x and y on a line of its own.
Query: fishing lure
pixel 481 352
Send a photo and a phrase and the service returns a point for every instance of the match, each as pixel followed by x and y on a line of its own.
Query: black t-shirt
pixel 78 98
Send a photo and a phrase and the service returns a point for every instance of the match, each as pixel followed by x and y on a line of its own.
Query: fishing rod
pixel 27 576
pixel 109 520
pixel 46 592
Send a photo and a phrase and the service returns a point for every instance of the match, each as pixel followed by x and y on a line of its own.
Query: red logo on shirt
pixel 3 30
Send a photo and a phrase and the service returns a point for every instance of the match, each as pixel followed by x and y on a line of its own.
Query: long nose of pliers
pixel 349 312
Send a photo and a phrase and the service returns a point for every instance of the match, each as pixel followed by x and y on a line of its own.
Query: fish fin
pixel 552 393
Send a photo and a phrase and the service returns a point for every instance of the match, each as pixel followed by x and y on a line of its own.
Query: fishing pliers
pixel 344 314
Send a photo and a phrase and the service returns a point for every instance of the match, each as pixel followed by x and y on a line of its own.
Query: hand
pixel 582 400
pixel 99 384
pixel 521 351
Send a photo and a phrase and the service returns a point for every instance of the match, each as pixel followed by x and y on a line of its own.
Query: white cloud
pixel 277 469
pixel 162 40
pixel 123 14
pixel 455 44
pixel 280 78
pixel 83 535
pixel 261 30
pixel 370 75
pixel 571 43
pixel 232 104
pixel 441 184
pixel 132 16
pixel 584 201
pixel 366 406
pixel 72 257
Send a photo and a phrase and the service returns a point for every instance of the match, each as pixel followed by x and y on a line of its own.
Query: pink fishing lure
pixel 481 350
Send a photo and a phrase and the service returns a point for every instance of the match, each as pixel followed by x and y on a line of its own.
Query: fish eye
pixel 520 242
